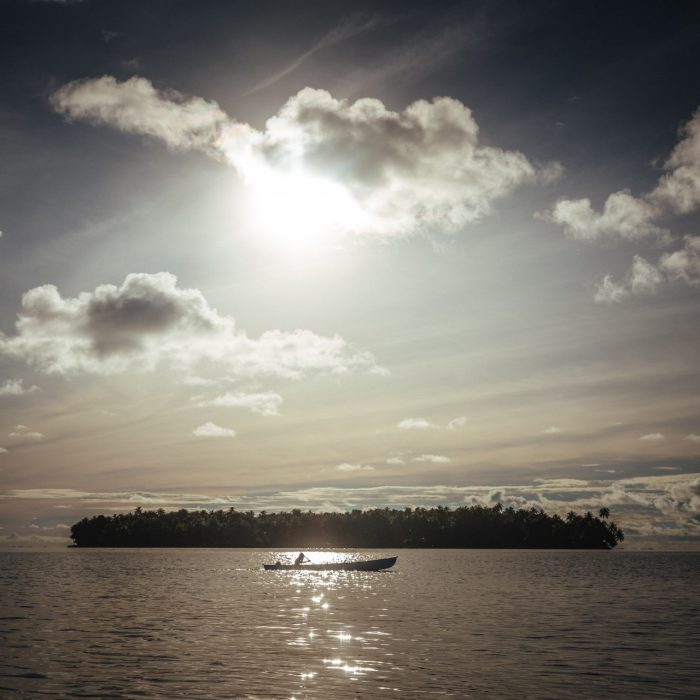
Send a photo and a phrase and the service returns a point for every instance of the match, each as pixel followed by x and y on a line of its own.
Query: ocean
pixel 211 623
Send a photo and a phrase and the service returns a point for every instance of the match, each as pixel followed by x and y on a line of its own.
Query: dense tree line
pixel 474 526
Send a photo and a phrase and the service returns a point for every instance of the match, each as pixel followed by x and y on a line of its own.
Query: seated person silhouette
pixel 301 558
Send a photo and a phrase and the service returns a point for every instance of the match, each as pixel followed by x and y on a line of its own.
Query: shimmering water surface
pixel 212 624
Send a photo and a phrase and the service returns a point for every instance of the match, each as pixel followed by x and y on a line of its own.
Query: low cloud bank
pixel 643 506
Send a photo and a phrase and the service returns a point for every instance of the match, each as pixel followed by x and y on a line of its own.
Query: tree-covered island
pixel 464 527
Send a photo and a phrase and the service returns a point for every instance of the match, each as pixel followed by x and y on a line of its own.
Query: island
pixel 464 527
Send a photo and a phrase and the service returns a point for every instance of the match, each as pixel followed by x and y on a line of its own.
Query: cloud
pixel 643 278
pixel 13 387
pixel 632 218
pixel 210 429
pixel 649 506
pixel 679 188
pixel 347 467
pixel 22 431
pixel 424 424
pixel 653 437
pixel 456 423
pixel 266 404
pixel 684 264
pixel 347 29
pixel 610 292
pixel 552 430
pixel 149 321
pixel 623 216
pixel 692 437
pixel 136 106
pixel 419 170
pixel 394 460
pixel 432 459
pixel 422 53
pixel 415 424
pixel 3 451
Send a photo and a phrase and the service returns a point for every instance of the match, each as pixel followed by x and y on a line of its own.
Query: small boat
pixel 367 565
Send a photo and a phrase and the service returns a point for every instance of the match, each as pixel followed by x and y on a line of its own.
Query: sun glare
pixel 301 212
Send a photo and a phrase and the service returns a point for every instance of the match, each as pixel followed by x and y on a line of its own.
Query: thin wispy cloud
pixel 266 403
pixel 15 387
pixel 350 27
pixel 424 424
pixel 432 459
pixel 22 431
pixel 456 423
pixel 415 424
pixel 422 53
pixel 349 467
pixel 653 437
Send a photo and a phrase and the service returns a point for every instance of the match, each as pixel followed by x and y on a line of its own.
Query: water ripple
pixel 213 624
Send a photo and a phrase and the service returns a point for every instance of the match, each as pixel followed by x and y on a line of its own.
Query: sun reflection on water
pixel 336 625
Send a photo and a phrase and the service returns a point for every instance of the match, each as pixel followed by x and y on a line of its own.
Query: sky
pixel 344 255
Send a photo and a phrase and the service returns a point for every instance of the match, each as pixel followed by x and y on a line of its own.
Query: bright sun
pixel 299 211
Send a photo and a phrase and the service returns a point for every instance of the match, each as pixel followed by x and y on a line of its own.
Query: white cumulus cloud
pixel 148 321
pixel 622 216
pixel 628 217
pixel 136 106
pixel 679 188
pixel 642 278
pixel 210 429
pixel 645 278
pixel 420 169
pixel 683 264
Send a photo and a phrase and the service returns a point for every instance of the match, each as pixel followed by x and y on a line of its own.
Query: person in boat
pixel 301 559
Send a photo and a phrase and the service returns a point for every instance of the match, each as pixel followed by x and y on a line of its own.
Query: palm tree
pixel 604 513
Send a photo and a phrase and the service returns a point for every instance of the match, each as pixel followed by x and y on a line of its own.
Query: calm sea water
pixel 212 624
